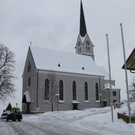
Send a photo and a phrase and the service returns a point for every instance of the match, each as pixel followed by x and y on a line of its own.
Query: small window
pixel 29 67
pixel 114 93
pixel 82 68
pixel 29 82
pixel 59 65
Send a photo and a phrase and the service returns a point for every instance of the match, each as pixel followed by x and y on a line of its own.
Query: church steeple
pixel 83 29
pixel 84 45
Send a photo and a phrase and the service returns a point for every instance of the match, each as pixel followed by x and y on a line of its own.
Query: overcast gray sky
pixel 54 24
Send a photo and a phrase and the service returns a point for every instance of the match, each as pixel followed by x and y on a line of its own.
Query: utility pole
pixel 128 104
pixel 109 76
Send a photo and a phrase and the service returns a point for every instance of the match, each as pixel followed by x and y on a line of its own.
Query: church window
pixel 46 89
pixel 80 50
pixel 97 93
pixel 61 90
pixel 29 67
pixel 74 90
pixel 82 68
pixel 86 49
pixel 29 82
pixel 86 90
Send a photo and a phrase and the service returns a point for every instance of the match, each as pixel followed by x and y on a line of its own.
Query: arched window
pixel 86 90
pixel 29 67
pixel 74 90
pixel 97 93
pixel 61 90
pixel 29 82
pixel 46 89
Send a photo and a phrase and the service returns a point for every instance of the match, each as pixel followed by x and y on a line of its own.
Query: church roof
pixel 83 29
pixel 105 73
pixel 46 59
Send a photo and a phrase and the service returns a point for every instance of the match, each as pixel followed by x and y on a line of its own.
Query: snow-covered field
pixel 95 120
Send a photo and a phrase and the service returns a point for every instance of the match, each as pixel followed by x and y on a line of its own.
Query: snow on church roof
pixel 106 74
pixel 46 59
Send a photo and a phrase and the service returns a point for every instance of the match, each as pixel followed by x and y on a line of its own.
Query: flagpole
pixel 128 104
pixel 110 92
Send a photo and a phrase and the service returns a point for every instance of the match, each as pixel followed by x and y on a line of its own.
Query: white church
pixel 81 83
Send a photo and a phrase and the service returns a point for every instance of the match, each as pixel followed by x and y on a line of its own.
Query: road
pixel 47 128
pixel 59 127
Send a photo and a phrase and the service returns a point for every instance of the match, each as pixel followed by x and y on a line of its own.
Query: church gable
pixel 29 64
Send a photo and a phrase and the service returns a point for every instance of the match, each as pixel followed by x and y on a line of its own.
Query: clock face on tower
pixel 87 42
pixel 79 43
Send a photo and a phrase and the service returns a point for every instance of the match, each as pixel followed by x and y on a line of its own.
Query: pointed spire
pixel 83 29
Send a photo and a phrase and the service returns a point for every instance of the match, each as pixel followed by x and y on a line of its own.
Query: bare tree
pixel 7 63
pixel 51 89
pixel 132 91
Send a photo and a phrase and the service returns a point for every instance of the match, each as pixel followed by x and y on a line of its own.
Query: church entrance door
pixel 74 106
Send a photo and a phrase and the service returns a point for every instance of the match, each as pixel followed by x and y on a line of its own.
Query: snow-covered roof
pixel 82 38
pixel 46 59
pixel 27 95
pixel 105 73
pixel 107 86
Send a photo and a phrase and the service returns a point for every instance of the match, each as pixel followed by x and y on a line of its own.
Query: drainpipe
pixel 100 92
pixel 37 87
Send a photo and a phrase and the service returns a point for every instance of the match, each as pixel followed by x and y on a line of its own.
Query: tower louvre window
pixel 29 67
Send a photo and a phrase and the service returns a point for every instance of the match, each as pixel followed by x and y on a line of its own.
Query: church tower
pixel 84 45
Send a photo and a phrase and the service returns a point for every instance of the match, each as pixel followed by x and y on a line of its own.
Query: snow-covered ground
pixel 95 120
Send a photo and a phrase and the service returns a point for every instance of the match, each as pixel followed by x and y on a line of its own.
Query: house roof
pixel 46 59
pixel 107 86
pixel 130 63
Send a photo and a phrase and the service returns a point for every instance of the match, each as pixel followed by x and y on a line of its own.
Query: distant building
pixel 82 84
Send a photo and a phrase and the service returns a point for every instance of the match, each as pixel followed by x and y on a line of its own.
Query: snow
pixel 97 120
pixel 105 73
pixel 82 38
pixel 46 59
pixel 27 95
pixel 107 86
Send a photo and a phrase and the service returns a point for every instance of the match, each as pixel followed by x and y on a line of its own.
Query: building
pixel 82 84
